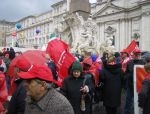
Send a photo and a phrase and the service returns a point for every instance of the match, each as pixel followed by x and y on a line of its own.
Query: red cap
pixel 136 50
pixel 38 71
pixel 23 64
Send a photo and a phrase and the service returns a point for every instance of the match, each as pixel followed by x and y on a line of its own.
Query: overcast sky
pixel 13 10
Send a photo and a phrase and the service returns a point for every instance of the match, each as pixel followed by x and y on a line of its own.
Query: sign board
pixel 139 74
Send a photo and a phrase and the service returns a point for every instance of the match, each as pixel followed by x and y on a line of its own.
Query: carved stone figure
pixel 107 46
pixel 87 34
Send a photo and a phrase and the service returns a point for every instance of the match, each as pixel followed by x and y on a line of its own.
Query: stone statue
pixel 87 34
pixel 107 46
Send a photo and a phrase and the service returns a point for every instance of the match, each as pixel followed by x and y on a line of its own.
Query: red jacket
pixel 3 91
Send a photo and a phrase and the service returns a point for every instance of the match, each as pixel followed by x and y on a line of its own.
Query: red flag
pixel 59 53
pixel 131 47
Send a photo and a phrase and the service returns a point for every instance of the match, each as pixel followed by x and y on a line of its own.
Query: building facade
pixel 121 21
pixel 4 29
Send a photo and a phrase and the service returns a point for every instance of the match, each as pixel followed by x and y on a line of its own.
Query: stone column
pixel 145 34
pixel 83 7
pixel 122 34
pixel 68 4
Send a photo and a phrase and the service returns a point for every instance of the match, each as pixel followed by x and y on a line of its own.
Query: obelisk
pixel 83 7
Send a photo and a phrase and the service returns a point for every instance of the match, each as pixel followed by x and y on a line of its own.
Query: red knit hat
pixel 37 71
pixel 23 64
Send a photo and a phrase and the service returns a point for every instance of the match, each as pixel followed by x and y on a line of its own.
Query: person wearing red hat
pixel 129 107
pixel 42 98
pixel 17 101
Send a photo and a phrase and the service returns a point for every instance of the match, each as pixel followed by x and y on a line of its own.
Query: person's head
pixel 147 67
pixel 136 54
pixel 76 69
pixel 94 57
pixel 124 54
pixel 7 55
pixel 38 80
pixel 2 69
pixel 117 54
pixel 11 49
pixel 87 63
pixel 111 58
pixel 105 54
pixel 18 53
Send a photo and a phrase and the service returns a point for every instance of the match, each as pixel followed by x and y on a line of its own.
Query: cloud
pixel 92 1
pixel 13 10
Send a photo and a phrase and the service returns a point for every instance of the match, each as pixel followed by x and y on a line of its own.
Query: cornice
pixel 31 16
pixel 35 24
pixel 57 3
pixel 145 2
pixel 109 4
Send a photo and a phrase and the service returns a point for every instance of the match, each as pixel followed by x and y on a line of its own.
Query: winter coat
pixel 17 102
pixel 52 103
pixel 144 96
pixel 112 77
pixel 129 72
pixel 3 91
pixel 71 89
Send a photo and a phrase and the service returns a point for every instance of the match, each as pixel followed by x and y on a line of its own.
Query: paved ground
pixel 100 109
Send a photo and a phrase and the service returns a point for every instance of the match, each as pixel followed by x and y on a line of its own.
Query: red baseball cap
pixel 37 71
pixel 23 64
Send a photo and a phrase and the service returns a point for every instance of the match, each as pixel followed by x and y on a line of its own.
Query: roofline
pixel 30 16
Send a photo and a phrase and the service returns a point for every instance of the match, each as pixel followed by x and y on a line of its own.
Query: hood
pixel 113 68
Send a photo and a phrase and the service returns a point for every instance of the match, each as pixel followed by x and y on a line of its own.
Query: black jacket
pixel 112 77
pixel 144 97
pixel 71 90
pixel 17 102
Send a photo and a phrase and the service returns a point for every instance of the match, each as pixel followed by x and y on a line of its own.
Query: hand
pixel 84 89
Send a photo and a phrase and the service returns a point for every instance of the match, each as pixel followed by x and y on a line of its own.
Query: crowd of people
pixel 91 79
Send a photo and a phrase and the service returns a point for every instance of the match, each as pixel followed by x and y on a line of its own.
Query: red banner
pixel 131 47
pixel 59 53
